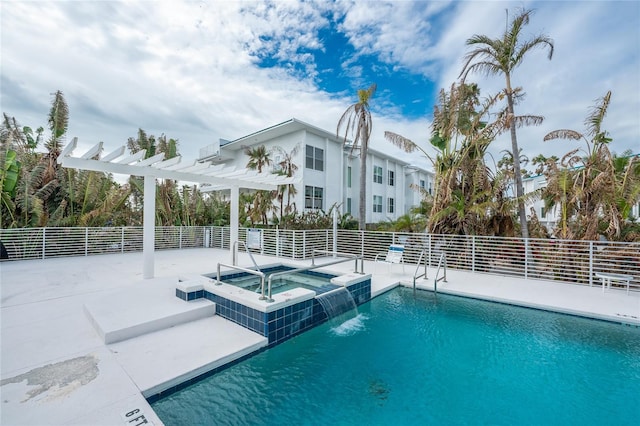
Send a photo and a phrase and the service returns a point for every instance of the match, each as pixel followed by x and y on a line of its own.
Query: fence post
pixel 362 244
pixel 44 242
pixel 293 238
pixel 526 258
pixel 429 250
pixel 86 241
pixel 180 236
pixel 473 253
pixel 590 263
pixel 122 240
pixel 262 241
pixel 326 240
pixel 304 244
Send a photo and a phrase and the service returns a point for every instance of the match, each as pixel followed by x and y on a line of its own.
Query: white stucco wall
pixel 333 179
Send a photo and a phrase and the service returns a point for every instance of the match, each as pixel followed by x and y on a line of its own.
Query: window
pixel 349 205
pixel 377 204
pixel 422 183
pixel 390 203
pixel 314 158
pixel 392 176
pixel 349 177
pixel 543 213
pixel 377 174
pixel 430 188
pixel 276 164
pixel 312 197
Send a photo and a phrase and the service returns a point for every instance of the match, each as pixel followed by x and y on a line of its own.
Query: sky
pixel 198 71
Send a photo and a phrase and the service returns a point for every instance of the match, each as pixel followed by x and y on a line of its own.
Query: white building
pixel 547 218
pixel 330 171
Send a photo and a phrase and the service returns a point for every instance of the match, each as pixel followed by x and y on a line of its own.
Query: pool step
pixel 138 310
pixel 184 352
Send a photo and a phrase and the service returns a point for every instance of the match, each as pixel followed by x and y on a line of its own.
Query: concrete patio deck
pixel 56 368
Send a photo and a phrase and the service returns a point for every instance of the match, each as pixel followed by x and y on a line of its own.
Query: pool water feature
pixel 435 360
pixel 337 302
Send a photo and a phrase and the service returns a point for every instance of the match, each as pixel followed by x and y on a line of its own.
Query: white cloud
pixel 188 69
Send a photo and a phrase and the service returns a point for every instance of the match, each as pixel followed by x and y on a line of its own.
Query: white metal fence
pixel 563 260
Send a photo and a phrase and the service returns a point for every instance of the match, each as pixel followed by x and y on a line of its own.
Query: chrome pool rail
pixel 247 270
pixel 441 263
pixel 423 275
pixel 246 248
pixel 307 268
pixel 338 254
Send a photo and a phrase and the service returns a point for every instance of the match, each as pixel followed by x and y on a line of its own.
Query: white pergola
pixel 216 177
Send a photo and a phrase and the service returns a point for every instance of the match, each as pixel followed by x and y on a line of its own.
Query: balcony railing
pixel 561 260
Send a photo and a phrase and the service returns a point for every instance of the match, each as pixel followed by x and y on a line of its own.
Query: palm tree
pixel 503 56
pixel 357 121
pixel 466 193
pixel 595 192
pixel 9 173
pixel 286 167
pixel 259 157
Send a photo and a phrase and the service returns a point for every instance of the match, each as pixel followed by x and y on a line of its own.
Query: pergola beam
pixel 218 177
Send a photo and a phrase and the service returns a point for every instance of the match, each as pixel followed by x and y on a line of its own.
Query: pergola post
pixel 234 216
pixel 149 226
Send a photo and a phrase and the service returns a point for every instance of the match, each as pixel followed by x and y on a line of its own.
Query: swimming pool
pixel 429 360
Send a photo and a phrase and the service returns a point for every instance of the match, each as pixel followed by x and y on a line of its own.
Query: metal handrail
pixel 335 253
pixel 235 253
pixel 308 268
pixel 415 274
pixel 442 262
pixel 240 268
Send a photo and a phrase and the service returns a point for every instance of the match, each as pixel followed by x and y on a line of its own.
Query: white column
pixel 335 232
pixel 234 216
pixel 149 226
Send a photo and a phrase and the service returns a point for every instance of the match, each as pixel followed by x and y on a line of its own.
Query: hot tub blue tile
pixel 181 294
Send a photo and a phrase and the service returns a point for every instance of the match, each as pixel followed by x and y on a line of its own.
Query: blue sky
pixel 202 70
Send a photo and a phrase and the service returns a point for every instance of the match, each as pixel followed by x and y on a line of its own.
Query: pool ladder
pixel 423 275
pixel 442 263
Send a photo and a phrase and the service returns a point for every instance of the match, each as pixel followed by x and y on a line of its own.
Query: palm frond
pixel 527 120
pixel 598 112
pixel 58 116
pixel 407 145
pixel 563 134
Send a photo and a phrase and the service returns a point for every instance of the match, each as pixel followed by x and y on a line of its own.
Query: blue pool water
pixel 436 360
pixel 311 280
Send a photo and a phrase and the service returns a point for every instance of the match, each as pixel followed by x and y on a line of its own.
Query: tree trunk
pixel 363 185
pixel 516 161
